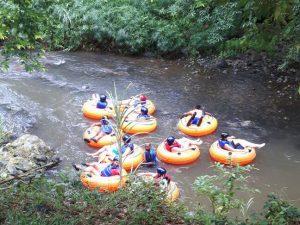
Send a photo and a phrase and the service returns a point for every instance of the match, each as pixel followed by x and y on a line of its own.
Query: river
pixel 49 103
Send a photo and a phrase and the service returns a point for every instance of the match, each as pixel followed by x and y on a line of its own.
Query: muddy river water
pixel 49 103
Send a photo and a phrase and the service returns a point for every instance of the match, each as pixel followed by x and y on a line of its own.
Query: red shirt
pixel 169 147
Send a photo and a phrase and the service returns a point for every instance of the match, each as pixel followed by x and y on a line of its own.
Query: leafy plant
pixel 65 201
pixel 221 189
pixel 280 212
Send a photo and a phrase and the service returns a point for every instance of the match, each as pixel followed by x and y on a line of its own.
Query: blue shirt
pixel 144 116
pixel 150 156
pixel 106 128
pixel 106 172
pixel 101 105
pixel 222 144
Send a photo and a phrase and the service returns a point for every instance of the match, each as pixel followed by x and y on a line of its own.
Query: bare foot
pixel 261 145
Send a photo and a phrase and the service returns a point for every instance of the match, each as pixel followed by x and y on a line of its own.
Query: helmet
pixel 161 171
pixel 170 140
pixel 102 98
pixel 143 98
pixel 126 138
pixel 144 110
pixel 224 135
pixel 198 107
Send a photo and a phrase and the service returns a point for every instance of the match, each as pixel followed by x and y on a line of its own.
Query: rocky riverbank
pixel 23 155
pixel 284 84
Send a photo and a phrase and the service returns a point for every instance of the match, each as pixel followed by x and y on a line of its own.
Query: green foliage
pixel 279 212
pixel 22 26
pixel 65 201
pixel 163 27
pixel 221 189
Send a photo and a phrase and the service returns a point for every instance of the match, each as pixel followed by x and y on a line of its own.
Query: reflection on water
pixel 49 104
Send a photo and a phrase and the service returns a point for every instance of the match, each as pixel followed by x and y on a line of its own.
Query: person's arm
pixel 207 113
pixel 96 124
pixel 185 115
pixel 229 148
pixel 179 149
pixel 231 137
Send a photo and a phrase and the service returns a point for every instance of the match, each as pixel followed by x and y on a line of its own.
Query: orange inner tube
pixel 90 110
pixel 103 184
pixel 229 157
pixel 139 126
pixel 178 158
pixel 208 125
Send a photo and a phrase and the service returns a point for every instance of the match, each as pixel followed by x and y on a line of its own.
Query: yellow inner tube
pixel 229 157
pixel 132 160
pixel 90 110
pixel 139 126
pixel 105 140
pixel 173 192
pixel 178 158
pixel 128 104
pixel 208 125
pixel 101 183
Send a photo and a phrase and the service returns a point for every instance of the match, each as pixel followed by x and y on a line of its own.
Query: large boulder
pixel 24 154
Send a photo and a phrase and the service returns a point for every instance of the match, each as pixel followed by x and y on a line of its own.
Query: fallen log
pixel 47 166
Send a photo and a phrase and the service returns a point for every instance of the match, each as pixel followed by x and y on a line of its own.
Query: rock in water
pixel 222 64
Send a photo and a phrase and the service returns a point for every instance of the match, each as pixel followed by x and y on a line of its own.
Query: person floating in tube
pixel 230 143
pixel 143 115
pixel 105 129
pixel 96 169
pixel 197 116
pixel 110 151
pixel 180 145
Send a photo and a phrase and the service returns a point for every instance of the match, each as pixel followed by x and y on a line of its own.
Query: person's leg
pixel 91 170
pixel 245 143
pixel 102 157
pixel 187 141
pixel 191 119
pixel 99 136
pixel 199 121
pixel 95 135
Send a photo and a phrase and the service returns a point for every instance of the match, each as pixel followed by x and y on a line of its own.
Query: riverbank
pixel 284 85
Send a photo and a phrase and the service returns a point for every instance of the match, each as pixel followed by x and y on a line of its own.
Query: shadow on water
pixel 48 104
